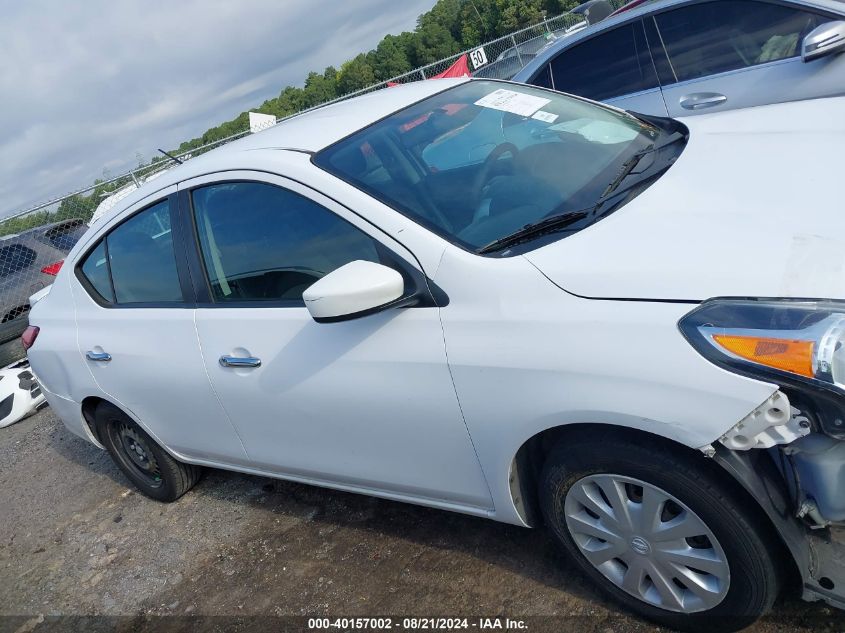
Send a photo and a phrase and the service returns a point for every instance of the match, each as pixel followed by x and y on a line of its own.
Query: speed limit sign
pixel 478 58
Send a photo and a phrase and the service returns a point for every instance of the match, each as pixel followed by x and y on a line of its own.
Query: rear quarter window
pixel 96 271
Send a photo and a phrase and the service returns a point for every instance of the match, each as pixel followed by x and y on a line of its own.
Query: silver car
pixel 683 57
pixel 29 262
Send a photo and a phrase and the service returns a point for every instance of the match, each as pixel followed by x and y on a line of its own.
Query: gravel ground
pixel 76 540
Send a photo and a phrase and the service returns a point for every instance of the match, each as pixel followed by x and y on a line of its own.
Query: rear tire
pixel 153 471
pixel 657 487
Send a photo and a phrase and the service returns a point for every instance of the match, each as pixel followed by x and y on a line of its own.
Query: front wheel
pixel 661 532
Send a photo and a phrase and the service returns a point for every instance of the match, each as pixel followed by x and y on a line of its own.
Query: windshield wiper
pixel 613 189
pixel 535 229
pixel 627 167
pixel 562 220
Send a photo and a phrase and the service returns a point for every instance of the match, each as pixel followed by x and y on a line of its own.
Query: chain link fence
pixel 34 242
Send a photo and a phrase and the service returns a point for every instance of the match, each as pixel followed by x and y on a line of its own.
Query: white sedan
pixel 498 300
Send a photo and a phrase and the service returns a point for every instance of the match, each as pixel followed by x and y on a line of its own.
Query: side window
pixel 138 258
pixel 96 271
pixel 609 65
pixel 543 78
pixel 260 242
pixel 715 37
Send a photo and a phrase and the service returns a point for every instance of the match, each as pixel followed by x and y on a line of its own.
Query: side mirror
pixel 823 40
pixel 357 289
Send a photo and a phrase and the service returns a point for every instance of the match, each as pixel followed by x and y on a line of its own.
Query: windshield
pixel 484 159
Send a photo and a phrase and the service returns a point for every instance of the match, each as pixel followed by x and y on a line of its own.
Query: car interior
pixel 261 242
pixel 143 266
pixel 747 36
pixel 486 172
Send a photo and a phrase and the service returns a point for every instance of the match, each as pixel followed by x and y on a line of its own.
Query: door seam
pixel 458 398
pixel 463 417
pixel 214 391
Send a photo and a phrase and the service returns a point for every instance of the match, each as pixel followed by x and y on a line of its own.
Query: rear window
pixel 14 258
pixel 136 263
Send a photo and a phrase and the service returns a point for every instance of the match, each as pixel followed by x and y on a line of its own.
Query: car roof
pixel 546 55
pixel 310 131
pixel 316 129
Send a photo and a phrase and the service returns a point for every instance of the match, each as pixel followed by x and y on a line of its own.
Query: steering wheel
pixel 484 173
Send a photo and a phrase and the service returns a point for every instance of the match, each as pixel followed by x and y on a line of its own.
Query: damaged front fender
pixel 772 423
pixel 818 556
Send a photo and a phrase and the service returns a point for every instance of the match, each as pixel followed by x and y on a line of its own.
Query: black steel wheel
pixel 153 471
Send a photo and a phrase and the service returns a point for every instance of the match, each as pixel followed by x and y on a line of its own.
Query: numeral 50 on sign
pixel 478 58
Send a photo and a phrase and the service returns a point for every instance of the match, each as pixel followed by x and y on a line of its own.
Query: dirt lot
pixel 76 540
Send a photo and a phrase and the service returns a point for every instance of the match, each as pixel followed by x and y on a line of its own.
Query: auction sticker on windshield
pixel 512 101
pixel 548 117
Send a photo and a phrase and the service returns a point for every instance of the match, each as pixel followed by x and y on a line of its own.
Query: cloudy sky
pixel 85 86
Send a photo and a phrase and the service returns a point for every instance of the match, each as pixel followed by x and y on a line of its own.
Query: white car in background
pixel 629 329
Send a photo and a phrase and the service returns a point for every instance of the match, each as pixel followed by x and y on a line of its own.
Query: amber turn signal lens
pixel 785 354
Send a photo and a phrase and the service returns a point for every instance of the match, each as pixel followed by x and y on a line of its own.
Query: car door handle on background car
pixel 699 100
pixel 235 361
pixel 100 357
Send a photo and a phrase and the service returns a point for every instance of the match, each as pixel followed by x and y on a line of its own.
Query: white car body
pixel 433 406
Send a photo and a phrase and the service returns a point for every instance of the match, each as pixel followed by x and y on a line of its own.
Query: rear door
pixel 728 54
pixel 614 66
pixel 136 333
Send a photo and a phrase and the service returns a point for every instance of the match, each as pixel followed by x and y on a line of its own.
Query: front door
pixel 366 404
pixel 737 54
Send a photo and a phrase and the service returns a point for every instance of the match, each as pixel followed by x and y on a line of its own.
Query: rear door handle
pixel 100 357
pixel 700 100
pixel 235 361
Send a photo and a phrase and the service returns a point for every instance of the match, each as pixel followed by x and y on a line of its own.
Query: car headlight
pixel 795 344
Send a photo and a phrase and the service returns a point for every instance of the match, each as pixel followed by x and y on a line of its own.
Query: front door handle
pixel 700 100
pixel 235 361
pixel 100 357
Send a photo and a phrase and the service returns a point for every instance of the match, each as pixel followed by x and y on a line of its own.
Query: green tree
pixel 320 88
pixel 390 57
pixel 478 19
pixel 434 42
pixel 556 7
pixel 354 75
pixel 291 101
pixel 517 14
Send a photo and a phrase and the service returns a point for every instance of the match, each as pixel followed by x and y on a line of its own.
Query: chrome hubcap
pixel 647 543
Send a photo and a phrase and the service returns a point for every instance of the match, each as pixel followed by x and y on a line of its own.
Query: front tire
pixel 660 531
pixel 153 471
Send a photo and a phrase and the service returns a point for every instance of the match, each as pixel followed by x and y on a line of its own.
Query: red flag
pixel 459 69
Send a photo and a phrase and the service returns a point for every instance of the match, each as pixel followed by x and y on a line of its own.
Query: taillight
pixel 54 268
pixel 29 335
